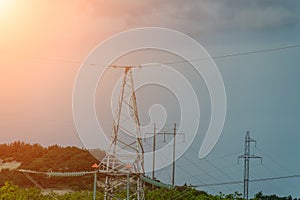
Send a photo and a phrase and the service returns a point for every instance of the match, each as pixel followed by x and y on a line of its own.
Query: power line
pixel 239 54
pixel 214 166
pixel 276 165
pixel 270 172
pixel 174 133
pixel 258 51
pixel 202 170
pixel 225 174
pixel 275 178
pixel 183 193
pixel 175 62
pixel 253 180
pixel 193 175
pixel 279 164
pixel 222 157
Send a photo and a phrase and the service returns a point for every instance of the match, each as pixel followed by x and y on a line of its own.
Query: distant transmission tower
pixel 124 160
pixel 247 156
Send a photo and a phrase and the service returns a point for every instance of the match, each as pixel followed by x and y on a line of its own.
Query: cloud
pixel 259 15
pixel 267 18
pixel 198 15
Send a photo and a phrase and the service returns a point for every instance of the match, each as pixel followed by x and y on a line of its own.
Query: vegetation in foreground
pixel 15 186
pixel 10 191
pixel 53 158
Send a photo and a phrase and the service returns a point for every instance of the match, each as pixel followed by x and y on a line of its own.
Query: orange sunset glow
pixel 202 81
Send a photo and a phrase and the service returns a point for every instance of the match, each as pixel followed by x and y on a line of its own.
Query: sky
pixel 43 43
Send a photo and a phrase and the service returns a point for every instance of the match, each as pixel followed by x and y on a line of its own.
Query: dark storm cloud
pixel 259 14
pixel 199 15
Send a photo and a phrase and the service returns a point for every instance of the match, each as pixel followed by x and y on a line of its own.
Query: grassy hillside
pixel 15 185
pixel 10 191
pixel 55 158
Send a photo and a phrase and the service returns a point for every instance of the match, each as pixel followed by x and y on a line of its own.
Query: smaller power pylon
pixel 247 156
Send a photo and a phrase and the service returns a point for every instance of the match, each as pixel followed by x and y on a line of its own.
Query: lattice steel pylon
pixel 247 156
pixel 125 154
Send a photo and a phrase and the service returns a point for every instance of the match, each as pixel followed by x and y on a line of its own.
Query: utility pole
pixel 247 156
pixel 174 133
pixel 153 151
pixel 95 186
pixel 174 152
pixel 128 187
pixel 95 166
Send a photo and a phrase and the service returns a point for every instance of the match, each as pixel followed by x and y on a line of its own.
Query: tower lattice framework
pixel 125 154
pixel 247 156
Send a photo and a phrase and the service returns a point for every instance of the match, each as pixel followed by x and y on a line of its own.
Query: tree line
pixel 14 185
pixel 9 191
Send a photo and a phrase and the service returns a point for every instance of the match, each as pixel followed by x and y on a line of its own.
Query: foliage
pixel 186 193
pixel 10 191
pixel 36 157
pixel 260 196
pixel 55 158
pixel 15 186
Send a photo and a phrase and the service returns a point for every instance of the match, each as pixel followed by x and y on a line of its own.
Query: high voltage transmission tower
pixel 124 160
pixel 247 156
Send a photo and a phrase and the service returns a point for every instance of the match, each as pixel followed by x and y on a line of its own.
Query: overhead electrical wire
pixel 208 174
pixel 253 180
pixel 175 62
